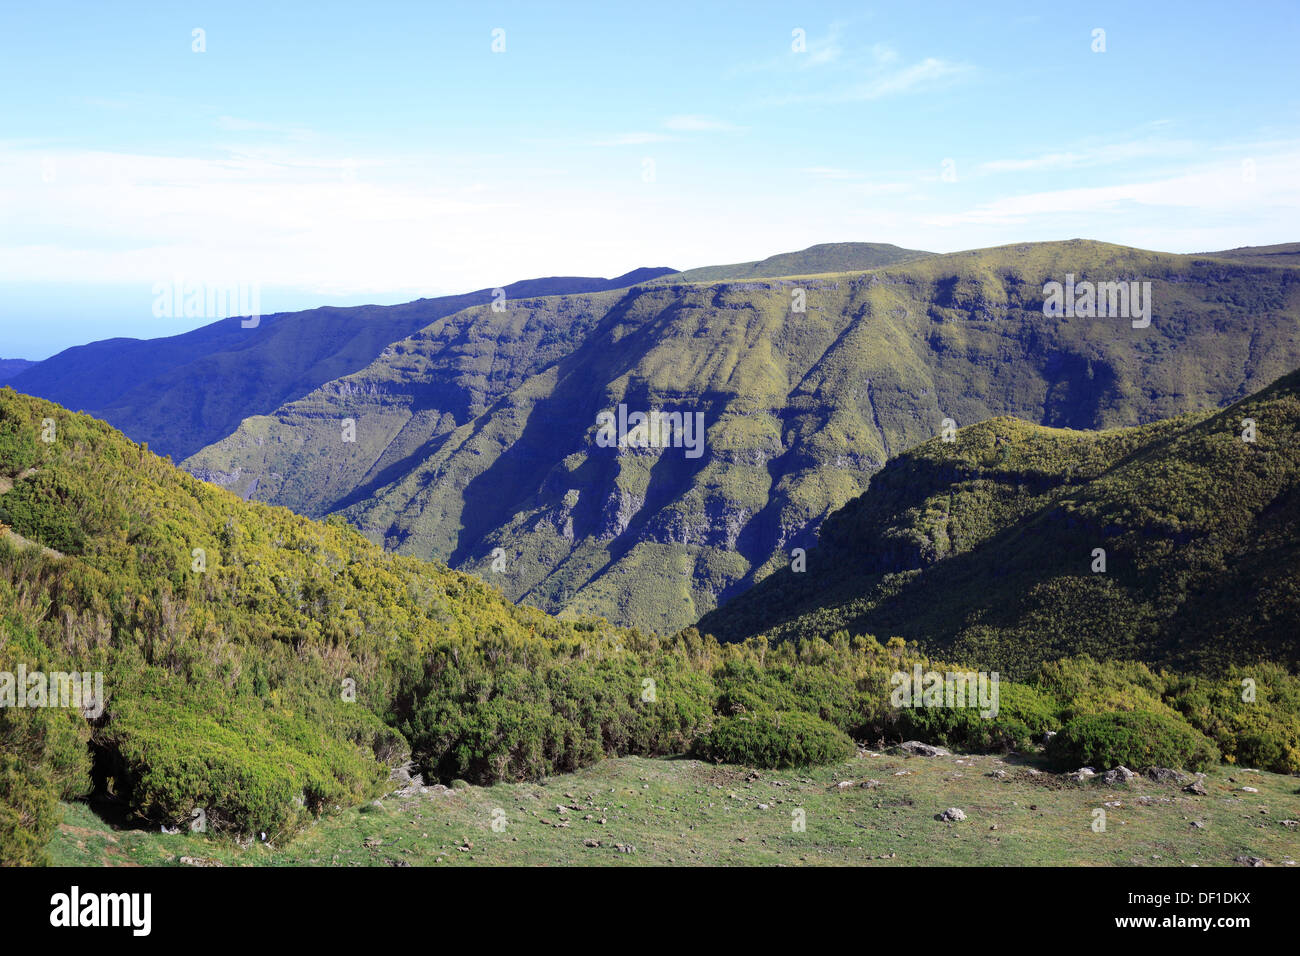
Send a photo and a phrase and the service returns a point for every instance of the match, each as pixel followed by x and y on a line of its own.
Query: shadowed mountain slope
pixel 986 547
pixel 180 393
pixel 475 440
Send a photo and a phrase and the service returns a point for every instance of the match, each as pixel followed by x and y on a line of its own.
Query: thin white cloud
pixel 694 123
pixel 639 138
pixel 1266 184
pixel 927 73
pixel 681 123
pixel 820 48
pixel 884 78
pixel 857 181
pixel 1099 155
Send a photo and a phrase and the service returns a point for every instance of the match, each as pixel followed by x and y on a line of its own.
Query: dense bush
pixel 1253 713
pixel 1134 739
pixel 43 755
pixel 224 686
pixel 29 812
pixel 964 728
pixel 774 739
pixel 35 509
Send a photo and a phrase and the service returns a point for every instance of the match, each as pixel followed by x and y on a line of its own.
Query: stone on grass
pixel 918 749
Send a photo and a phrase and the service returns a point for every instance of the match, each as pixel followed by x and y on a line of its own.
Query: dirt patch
pixel 86 834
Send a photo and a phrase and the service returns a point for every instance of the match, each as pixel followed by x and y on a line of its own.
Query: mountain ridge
pixel 801 408
pixel 160 390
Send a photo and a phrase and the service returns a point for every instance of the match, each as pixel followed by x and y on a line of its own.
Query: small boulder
pixel 951 815
pixel 918 749
pixel 1196 787
pixel 1120 774
pixel 1166 775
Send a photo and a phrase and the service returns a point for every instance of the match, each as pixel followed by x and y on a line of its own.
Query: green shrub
pixel 962 727
pixel 29 812
pixel 1263 731
pixel 773 739
pixel 1134 739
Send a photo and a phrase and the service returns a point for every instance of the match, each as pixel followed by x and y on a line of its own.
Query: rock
pixel 590 842
pixel 999 774
pixel 951 815
pixel 199 861
pixel 1196 787
pixel 869 784
pixel 1166 775
pixel 1083 774
pixel 1249 861
pixel 844 784
pixel 918 749
pixel 1120 774
pixel 1197 824
pixel 1249 790
pixel 1047 736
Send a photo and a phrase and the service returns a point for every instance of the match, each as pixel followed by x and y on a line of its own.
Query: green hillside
pixel 1284 253
pixel 479 433
pixel 815 260
pixel 983 548
pixel 255 670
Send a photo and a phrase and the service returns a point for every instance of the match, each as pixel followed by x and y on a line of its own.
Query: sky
pixel 332 153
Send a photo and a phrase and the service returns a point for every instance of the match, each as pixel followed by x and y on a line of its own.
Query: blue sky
pixel 349 153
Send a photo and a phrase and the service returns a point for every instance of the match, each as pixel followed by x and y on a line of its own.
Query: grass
pixel 685 812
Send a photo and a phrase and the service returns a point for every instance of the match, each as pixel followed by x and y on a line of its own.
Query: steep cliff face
pixel 482 445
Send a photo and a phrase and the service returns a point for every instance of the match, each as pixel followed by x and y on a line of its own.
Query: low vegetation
pixel 260 668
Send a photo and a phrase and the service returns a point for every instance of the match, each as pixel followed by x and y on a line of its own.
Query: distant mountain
pixel 985 548
pixel 476 440
pixel 180 393
pixel 1283 254
pixel 11 367
pixel 815 260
